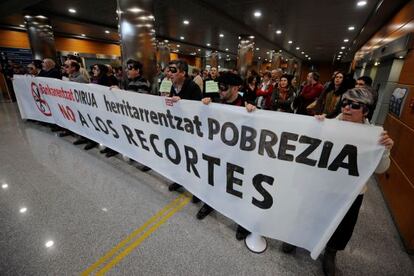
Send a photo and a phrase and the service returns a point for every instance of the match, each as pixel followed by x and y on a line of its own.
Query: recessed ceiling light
pixel 181 37
pixel 178 45
pixel 343 47
pixel 71 10
pixel 267 53
pixel 186 22
pixel 290 41
pixel 251 37
pixel 257 49
pixel 23 210
pixel 351 28
pixel 106 31
pixel 361 3
pixel 278 31
pixel 5 186
pixel 339 56
pixel 21 25
pixel 259 57
pixel 346 40
pixel 297 48
pixel 257 14
pixel 49 244
pixel 199 50
pixel 83 35
pixel 302 53
pixel 309 58
pixel 135 10
pixel 208 44
pixel 227 49
pixel 400 57
pixel 221 35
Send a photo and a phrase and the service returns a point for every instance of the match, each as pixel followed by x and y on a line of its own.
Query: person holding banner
pixel 229 85
pixel 355 107
pixel 182 88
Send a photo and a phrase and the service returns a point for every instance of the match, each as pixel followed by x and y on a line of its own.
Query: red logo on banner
pixel 40 101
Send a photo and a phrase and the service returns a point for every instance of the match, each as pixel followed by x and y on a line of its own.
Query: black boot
pixel 204 211
pixel 328 262
pixel 241 233
pixel 288 248
pixel 195 199
pixel 174 187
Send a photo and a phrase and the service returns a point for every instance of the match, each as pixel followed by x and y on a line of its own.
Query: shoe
pixel 145 169
pixel 328 262
pixel 195 199
pixel 65 133
pixel 105 150
pixel 80 141
pixel 204 211
pixel 90 145
pixel 174 187
pixel 288 248
pixel 110 153
pixel 55 128
pixel 241 233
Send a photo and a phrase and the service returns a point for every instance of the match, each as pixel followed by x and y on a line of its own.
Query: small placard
pixel 212 86
pixel 165 86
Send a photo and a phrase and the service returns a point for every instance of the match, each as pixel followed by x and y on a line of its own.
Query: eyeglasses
pixel 223 87
pixel 172 69
pixel 353 105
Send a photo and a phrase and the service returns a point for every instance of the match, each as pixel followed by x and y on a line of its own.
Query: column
pixel 245 54
pixel 42 40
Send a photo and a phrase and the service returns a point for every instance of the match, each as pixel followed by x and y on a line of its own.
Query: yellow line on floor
pixel 145 235
pixel 131 236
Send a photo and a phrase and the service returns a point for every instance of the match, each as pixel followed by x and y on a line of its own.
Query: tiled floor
pixel 86 204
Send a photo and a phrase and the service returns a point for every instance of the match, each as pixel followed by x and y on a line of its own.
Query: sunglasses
pixel 30 68
pixel 353 105
pixel 223 87
pixel 173 69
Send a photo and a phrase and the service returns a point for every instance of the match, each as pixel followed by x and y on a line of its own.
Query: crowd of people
pixel 342 98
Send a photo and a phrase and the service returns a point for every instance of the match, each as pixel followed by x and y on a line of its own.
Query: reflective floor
pixel 63 209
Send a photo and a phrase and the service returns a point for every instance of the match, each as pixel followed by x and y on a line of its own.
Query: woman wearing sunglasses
pixel 355 106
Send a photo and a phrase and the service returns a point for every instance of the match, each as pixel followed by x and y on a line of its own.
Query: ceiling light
pixel 257 14
pixel 309 58
pixel 306 55
pixel 83 35
pixel 343 47
pixel 72 10
pixel 106 31
pixel 290 41
pixel 257 49
pixel 400 57
pixel 346 40
pixel 178 45
pixel 199 50
pixel 267 53
pixel 5 186
pixel 341 52
pixel 181 37
pixel 302 53
pixel 251 37
pixel 135 10
pixel 259 57
pixel 227 49
pixel 186 22
pixel 49 244
pixel 297 48
pixel 22 25
pixel 278 31
pixel 221 35
pixel 351 28
pixel 361 3
pixel 208 44
pixel 228 55
pixel 23 210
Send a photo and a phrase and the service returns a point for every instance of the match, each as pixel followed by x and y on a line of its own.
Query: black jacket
pixel 189 91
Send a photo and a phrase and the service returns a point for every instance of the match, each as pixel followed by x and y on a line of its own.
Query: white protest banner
pixel 280 175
